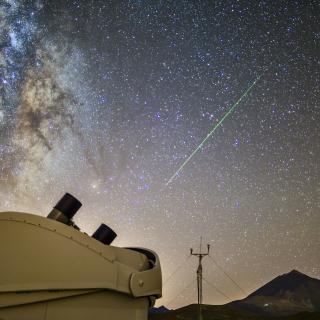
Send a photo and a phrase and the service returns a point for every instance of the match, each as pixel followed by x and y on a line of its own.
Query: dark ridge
pixel 158 310
pixel 286 282
pixel 288 294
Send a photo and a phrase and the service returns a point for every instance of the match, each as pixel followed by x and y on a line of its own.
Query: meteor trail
pixel 215 127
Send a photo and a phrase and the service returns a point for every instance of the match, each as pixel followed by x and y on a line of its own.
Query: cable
pixel 214 287
pixel 185 288
pixel 227 275
pixel 175 271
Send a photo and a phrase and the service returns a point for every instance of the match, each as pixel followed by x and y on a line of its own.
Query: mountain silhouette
pixel 156 310
pixel 287 294
pixel 291 296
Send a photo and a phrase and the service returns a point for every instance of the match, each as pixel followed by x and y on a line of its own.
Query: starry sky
pixel 106 99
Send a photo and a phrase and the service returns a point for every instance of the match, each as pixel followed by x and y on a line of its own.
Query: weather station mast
pixel 200 255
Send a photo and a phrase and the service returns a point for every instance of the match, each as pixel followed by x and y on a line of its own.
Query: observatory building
pixel 50 270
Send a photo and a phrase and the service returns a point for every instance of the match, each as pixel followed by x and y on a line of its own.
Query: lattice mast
pixel 200 255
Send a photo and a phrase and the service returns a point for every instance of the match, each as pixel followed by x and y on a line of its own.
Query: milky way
pixel 106 99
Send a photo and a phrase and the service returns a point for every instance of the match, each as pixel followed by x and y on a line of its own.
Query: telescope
pixel 50 270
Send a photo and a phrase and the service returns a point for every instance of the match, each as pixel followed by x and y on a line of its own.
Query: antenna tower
pixel 200 255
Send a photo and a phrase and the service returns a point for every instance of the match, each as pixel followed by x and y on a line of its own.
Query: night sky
pixel 106 99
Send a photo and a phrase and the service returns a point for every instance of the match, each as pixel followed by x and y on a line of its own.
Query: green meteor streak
pixel 228 113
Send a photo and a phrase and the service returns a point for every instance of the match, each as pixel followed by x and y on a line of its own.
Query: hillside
pixel 291 296
pixel 225 312
pixel 287 294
